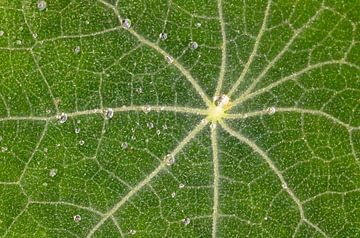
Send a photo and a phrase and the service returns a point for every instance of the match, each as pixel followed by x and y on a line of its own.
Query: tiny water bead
pixel 53 172
pixel 77 49
pixel 62 118
pixel 173 194
pixel 169 59
pixel 126 23
pixel 150 125
pixel 270 110
pixel 213 126
pixel 147 109
pixel 181 185
pixel 193 45
pixel 132 232
pixel 77 130
pixel 4 149
pixel 124 145
pixel 186 221
pixel 284 185
pixel 170 159
pixel 222 100
pixel 41 5
pixel 108 113
pixel 81 142
pixel 197 24
pixel 2 33
pixel 163 36
pixel 77 218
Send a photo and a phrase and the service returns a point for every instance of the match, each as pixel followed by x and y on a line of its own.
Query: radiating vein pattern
pixel 108 128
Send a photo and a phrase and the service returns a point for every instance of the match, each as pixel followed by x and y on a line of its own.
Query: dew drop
pixel 45 184
pixel 284 185
pixel 46 150
pixel 158 132
pixel 169 59
pixel 221 100
pixel 2 33
pixel 108 113
pixel 126 23
pixel 81 142
pixel 194 45
pixel 147 109
pixel 34 35
pixel 124 145
pixel 77 49
pixel 132 232
pixel 170 159
pixel 133 137
pixel 53 172
pixel 62 118
pixel 139 90
pixel 150 125
pixel 165 127
pixel 271 110
pixel 181 185
pixel 186 221
pixel 18 42
pixel 4 149
pixel 204 121
pixel 77 130
pixel 163 36
pixel 77 218
pixel 197 24
pixel 173 194
pixel 41 5
pixel 265 218
pixel 213 126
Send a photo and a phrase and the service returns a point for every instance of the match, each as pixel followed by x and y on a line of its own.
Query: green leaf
pixel 179 118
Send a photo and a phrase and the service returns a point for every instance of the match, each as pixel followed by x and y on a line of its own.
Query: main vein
pixel 254 51
pixel 147 179
pixel 215 151
pixel 223 49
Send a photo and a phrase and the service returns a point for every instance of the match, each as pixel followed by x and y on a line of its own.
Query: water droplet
pixel 163 36
pixel 45 184
pixel 221 100
pixel 77 49
pixel 204 121
pixel 41 5
pixel 132 232
pixel 169 59
pixel 271 110
pixel 197 24
pixel 150 125
pixel 81 142
pixel 77 130
pixel 213 126
pixel 46 150
pixel 284 185
pixel 126 23
pixel 34 35
pixel 139 90
pixel 2 33
pixel 173 194
pixel 77 218
pixel 186 221
pixel 53 172
pixel 194 45
pixel 265 218
pixel 108 113
pixel 124 145
pixel 165 127
pixel 133 137
pixel 169 159
pixel 62 118
pixel 78 121
pixel 18 42
pixel 4 149
pixel 158 132
pixel 181 185
pixel 147 109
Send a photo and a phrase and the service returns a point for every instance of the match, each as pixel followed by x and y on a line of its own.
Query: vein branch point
pixel 217 110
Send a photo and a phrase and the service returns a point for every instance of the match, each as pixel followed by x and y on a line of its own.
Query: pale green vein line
pixel 291 109
pixel 282 52
pixel 177 64
pixel 117 226
pixel 215 151
pixel 63 203
pixel 140 108
pixel 15 220
pixel 45 81
pixel 254 51
pixel 34 151
pixel 9 183
pixel 82 35
pixel 147 179
pixel 293 76
pixel 275 170
pixel 223 49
